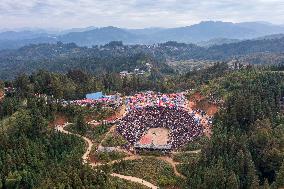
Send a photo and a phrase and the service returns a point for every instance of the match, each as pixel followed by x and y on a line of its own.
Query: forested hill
pixel 246 47
pixel 116 57
pixel 113 57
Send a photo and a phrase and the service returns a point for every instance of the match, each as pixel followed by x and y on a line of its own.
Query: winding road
pixel 134 179
pixel 90 144
pixel 85 157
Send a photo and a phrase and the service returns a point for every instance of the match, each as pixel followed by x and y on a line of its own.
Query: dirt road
pixel 85 158
pixel 134 179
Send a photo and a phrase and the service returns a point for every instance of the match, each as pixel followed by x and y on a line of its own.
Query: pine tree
pixel 81 126
pixel 266 184
pixel 280 177
pixel 252 179
pixel 232 181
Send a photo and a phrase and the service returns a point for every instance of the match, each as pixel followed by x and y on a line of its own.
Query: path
pixel 2 95
pixel 85 157
pixel 119 115
pixel 89 142
pixel 134 157
pixel 188 152
pixel 134 179
pixel 173 164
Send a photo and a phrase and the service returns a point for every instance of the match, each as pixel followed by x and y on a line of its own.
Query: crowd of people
pixel 104 102
pixel 150 98
pixel 182 126
pixel 93 103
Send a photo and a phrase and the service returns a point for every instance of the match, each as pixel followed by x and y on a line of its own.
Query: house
pixel 95 96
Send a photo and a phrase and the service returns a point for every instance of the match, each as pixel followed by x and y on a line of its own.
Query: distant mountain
pixel 217 41
pixel 22 35
pixel 262 28
pixel 98 36
pixel 274 36
pixel 116 57
pixel 214 33
pixel 145 31
pixel 77 30
pixel 205 31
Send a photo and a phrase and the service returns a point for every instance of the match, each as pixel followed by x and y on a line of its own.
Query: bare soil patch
pixel 119 113
pixel 196 97
pixel 156 136
pixel 1 95
pixel 197 101
pixel 60 119
pixel 209 108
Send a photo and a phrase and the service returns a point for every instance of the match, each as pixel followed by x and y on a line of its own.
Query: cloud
pixel 135 13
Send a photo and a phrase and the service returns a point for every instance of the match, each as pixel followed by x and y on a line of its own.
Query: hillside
pixel 205 31
pixel 117 57
pixel 70 155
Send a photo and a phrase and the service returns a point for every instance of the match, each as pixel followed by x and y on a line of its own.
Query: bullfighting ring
pixel 160 121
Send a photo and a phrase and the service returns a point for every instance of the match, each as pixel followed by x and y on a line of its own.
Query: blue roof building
pixel 95 96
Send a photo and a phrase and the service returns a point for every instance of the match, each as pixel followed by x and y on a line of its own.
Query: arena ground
pixel 156 136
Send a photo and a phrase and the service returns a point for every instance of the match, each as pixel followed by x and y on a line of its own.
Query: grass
pixel 151 153
pixel 150 169
pixel 7 122
pixel 114 140
pixel 186 157
pixel 196 144
pixel 106 157
pixel 94 133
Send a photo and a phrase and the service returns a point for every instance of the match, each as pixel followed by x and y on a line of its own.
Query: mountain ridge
pixel 89 36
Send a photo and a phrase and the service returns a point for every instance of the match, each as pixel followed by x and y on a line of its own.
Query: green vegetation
pixel 246 149
pixel 32 156
pixel 151 153
pixel 116 57
pixel 186 157
pixel 94 133
pixel 197 144
pixel 150 169
pixel 114 140
pixel 106 157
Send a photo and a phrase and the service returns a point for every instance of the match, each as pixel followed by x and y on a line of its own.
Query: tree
pixel 23 86
pixel 280 177
pixel 232 181
pixel 81 126
pixel 266 184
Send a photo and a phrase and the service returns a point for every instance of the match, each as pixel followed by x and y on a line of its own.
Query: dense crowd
pixel 150 98
pixel 104 102
pixel 182 125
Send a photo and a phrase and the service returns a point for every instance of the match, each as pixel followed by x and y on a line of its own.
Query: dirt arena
pixel 157 136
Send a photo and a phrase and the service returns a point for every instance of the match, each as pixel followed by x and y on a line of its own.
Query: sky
pixel 64 14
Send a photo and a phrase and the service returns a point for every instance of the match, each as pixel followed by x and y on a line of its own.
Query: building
pixel 125 74
pixel 152 147
pixel 95 96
